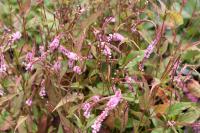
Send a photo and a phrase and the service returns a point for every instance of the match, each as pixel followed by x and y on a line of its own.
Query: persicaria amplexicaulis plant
pixel 114 66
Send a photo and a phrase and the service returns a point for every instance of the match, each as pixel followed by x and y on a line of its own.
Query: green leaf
pixel 90 121
pixel 129 97
pixel 68 98
pixel 158 130
pixel 177 108
pixel 189 117
pixel 60 129
pixel 78 121
pixel 133 59
pixel 175 17
pixel 76 85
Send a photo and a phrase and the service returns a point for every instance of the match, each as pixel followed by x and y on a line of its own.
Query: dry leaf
pixel 25 7
pixel 194 87
pixel 8 123
pixel 21 120
pixel 161 108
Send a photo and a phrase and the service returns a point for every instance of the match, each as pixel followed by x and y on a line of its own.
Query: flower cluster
pixel 150 49
pixel 77 70
pixel 42 92
pixel 54 44
pixel 117 37
pixel 29 101
pixel 87 107
pixel 43 54
pixel 129 79
pixel 57 66
pixel 29 60
pixel 71 55
pixel 14 37
pixel 112 103
pixel 105 49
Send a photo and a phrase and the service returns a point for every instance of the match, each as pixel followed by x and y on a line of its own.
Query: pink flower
pixel 86 108
pixel 77 70
pixel 16 36
pixel 30 60
pixel 128 79
pixel 54 44
pixel 3 66
pixel 150 49
pixel 57 66
pixel 70 63
pixel 98 122
pixel 112 103
pixel 29 66
pixel 117 37
pixel 42 92
pixel 43 54
pixel 96 98
pixel 192 97
pixel 184 1
pixel 90 56
pixel 110 19
pixel 30 56
pixel 1 92
pixel 29 102
pixel 105 49
pixel 70 55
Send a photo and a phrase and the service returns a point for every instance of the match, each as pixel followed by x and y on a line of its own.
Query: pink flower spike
pixel 112 103
pixel 43 54
pixel 14 37
pixel 98 122
pixel 77 70
pixel 42 92
pixel 29 102
pixel 70 55
pixel 96 98
pixel 70 63
pixel 29 66
pixel 191 97
pixel 128 79
pixel 30 60
pixel 117 37
pixel 54 44
pixel 57 66
pixel 86 108
pixel 29 56
pixel 105 49
pixel 110 19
